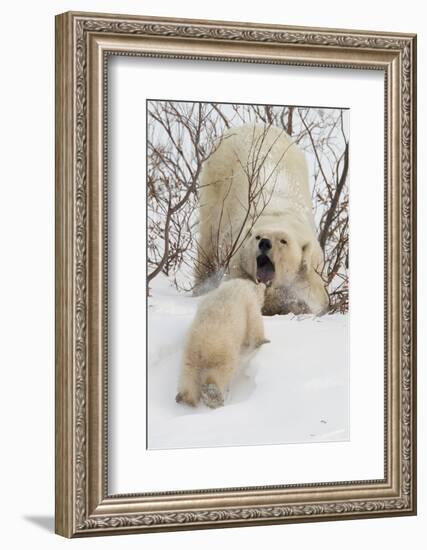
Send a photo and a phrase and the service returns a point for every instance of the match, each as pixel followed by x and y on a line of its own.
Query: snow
pixel 293 390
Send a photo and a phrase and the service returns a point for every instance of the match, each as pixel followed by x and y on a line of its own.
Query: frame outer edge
pixel 64 391
pixel 159 19
pixel 72 513
pixel 414 271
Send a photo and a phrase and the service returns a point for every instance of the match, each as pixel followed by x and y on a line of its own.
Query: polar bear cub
pixel 228 323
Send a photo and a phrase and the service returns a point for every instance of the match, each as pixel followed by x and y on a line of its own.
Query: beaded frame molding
pixel 83 43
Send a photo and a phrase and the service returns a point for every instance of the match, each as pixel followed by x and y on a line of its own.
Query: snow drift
pixel 293 390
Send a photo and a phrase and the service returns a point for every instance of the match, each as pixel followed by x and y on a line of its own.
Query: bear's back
pixel 224 311
pixel 274 161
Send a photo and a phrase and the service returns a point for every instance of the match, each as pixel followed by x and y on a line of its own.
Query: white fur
pixel 283 208
pixel 228 323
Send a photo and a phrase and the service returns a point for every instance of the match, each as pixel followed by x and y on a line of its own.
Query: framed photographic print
pixel 235 274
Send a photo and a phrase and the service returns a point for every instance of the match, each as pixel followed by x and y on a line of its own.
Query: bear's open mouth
pixel 265 269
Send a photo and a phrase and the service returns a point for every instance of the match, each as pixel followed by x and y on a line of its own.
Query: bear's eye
pixel 257 237
pixel 283 241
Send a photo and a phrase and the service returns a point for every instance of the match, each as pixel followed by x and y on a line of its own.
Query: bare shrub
pixel 182 135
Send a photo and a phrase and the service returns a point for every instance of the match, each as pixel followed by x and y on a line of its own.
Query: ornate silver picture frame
pixel 84 43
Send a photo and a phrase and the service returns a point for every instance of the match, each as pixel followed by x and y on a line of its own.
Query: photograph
pixel 212 283
pixel 214 207
pixel 248 283
pixel 235 273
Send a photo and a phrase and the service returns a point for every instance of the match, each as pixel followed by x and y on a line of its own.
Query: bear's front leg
pixel 310 289
pixel 255 336
pixel 262 342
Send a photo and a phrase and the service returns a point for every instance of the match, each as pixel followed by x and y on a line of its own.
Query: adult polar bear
pixel 256 217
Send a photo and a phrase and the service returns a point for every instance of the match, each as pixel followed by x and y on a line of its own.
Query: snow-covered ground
pixel 293 390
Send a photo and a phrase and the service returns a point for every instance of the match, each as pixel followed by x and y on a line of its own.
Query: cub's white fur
pixel 262 162
pixel 227 324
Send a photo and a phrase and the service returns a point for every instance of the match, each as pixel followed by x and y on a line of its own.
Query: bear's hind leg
pixel 215 383
pixel 189 386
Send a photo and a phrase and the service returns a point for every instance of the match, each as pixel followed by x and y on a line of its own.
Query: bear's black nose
pixel 264 245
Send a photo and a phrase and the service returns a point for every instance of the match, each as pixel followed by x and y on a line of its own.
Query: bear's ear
pixel 306 257
pixel 312 256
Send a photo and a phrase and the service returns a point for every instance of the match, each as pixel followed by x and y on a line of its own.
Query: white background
pixel 27 275
pixel 132 80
